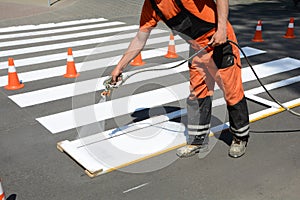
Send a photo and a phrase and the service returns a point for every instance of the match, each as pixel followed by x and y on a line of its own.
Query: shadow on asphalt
pixel 275 16
pixel 12 197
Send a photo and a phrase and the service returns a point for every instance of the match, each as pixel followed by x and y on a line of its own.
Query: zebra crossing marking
pixel 68 90
pixel 88 52
pixel 68 36
pixel 251 94
pixel 106 110
pixel 64 91
pixel 72 89
pixel 60 30
pixel 110 109
pixel 101 153
pixel 50 25
pixel 95 41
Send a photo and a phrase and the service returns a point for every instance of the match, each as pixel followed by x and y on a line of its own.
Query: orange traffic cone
pixel 290 30
pixel 258 32
pixel 171 48
pixel 71 69
pixel 13 80
pixel 137 61
pixel 2 195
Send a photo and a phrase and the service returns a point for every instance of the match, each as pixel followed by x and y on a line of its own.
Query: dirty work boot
pixel 190 150
pixel 199 144
pixel 238 146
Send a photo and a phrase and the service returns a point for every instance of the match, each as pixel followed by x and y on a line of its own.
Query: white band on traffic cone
pixel 11 69
pixel 258 28
pixel 172 42
pixel 291 25
pixel 70 58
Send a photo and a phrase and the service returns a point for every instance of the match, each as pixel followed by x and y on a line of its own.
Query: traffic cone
pixel 258 32
pixel 137 61
pixel 290 30
pixel 171 48
pixel 2 195
pixel 13 80
pixel 71 69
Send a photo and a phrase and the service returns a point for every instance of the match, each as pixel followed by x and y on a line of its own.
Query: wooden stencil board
pixel 102 153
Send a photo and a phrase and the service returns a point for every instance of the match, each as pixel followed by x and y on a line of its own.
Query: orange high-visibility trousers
pixel 221 65
pixel 204 71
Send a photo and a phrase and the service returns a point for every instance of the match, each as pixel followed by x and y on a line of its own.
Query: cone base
pixel 257 40
pixel 171 56
pixel 71 75
pixel 289 37
pixel 16 87
pixel 137 64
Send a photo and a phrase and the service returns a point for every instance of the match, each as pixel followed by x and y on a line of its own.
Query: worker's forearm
pixel 222 11
pixel 134 48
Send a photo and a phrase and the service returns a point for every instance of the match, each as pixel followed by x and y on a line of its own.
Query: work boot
pixel 238 146
pixel 199 144
pixel 190 150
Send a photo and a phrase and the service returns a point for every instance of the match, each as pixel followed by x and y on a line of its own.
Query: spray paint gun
pixel 109 86
pixel 122 78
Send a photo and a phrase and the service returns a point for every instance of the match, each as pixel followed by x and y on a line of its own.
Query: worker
pixel 200 23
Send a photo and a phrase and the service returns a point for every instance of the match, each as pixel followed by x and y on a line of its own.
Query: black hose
pixel 262 85
pixel 167 68
pixel 257 77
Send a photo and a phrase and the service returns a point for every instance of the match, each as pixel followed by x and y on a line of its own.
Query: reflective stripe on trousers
pixel 239 118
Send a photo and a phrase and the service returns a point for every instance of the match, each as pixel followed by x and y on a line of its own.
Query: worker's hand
pixel 220 37
pixel 115 74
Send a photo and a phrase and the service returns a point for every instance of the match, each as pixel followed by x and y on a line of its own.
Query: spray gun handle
pixel 108 86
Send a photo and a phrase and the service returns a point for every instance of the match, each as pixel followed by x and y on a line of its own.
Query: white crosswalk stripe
pixel 60 30
pixel 105 36
pixel 68 36
pixel 50 25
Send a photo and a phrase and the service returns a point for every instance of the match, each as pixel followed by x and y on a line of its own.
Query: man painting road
pixel 200 23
